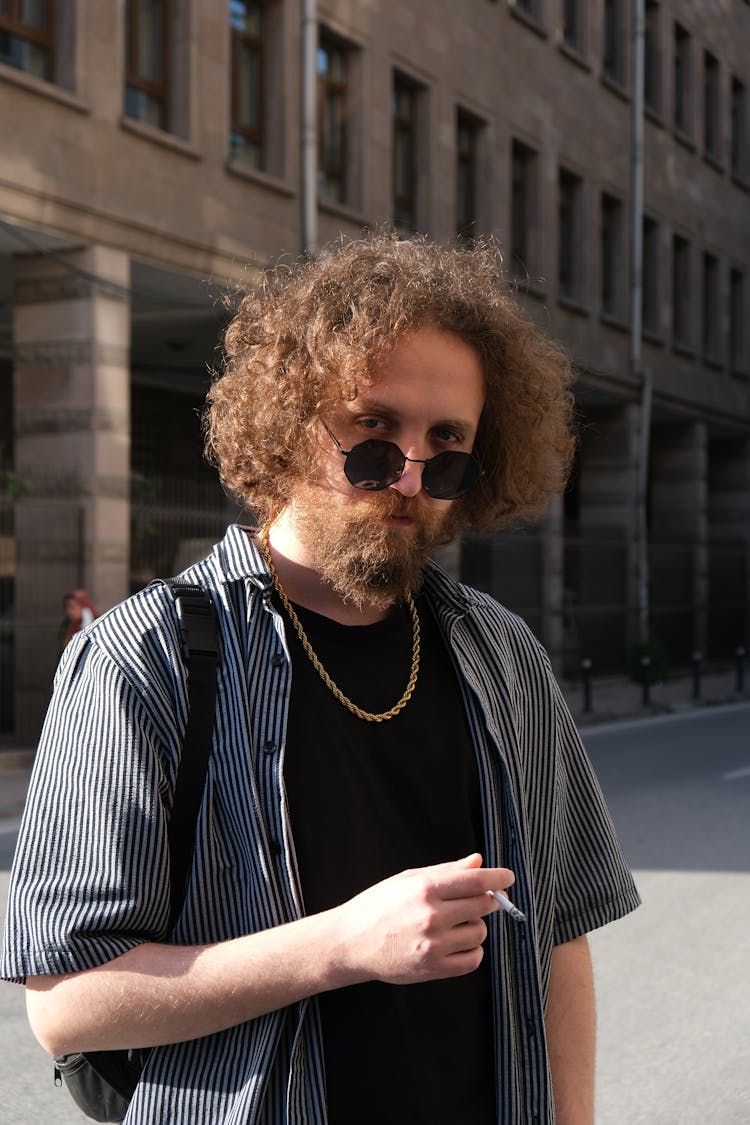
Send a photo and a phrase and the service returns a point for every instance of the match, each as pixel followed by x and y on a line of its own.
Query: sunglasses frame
pixel 426 461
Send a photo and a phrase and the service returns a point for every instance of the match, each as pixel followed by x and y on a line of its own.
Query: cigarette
pixel 508 906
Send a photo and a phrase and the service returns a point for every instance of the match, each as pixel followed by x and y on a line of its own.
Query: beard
pixel 366 562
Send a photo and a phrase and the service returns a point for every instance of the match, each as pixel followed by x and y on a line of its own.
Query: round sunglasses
pixel 374 465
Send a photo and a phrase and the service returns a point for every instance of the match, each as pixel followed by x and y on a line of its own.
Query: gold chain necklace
pixel 369 716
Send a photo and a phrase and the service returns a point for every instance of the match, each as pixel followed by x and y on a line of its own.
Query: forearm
pixel 156 994
pixel 571 1032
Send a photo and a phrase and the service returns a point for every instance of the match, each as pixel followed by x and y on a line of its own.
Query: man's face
pixel 426 397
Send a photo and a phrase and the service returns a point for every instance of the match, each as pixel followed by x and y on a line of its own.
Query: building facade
pixel 156 155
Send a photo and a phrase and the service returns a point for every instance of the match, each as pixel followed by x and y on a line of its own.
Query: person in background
pixel 80 611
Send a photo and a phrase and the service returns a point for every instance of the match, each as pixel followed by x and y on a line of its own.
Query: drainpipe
pixel 308 130
pixel 638 373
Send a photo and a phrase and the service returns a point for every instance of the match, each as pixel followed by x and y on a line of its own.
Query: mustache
pixel 390 503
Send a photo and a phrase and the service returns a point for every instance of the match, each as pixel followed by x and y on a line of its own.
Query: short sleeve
pixel 593 884
pixel 90 877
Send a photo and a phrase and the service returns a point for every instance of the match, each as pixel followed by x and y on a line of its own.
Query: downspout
pixel 308 130
pixel 638 373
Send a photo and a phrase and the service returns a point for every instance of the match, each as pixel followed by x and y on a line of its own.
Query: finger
pixel 467 882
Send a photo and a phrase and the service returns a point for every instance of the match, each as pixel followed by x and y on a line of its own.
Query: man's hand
pixel 416 926
pixel 420 925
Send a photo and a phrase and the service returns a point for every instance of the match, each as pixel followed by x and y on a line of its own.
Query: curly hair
pixel 310 335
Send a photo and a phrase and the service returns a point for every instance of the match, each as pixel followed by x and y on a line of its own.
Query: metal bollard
pixel 586 676
pixel 646 680
pixel 740 654
pixel 697 657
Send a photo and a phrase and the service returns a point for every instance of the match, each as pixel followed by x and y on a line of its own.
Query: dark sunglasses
pixel 375 465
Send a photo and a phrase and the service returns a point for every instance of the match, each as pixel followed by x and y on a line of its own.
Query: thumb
pixel 473 860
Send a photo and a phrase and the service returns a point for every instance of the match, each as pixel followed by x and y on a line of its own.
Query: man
pixel 389 747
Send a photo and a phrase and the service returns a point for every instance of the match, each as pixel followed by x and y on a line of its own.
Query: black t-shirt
pixel 366 801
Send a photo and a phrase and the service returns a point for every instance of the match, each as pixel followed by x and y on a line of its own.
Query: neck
pixel 304 586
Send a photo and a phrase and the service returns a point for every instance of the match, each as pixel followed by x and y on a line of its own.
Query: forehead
pixel 431 368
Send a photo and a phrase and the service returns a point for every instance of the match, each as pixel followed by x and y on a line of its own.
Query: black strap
pixel 196 612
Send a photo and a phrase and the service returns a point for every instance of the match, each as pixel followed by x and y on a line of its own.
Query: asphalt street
pixel 673 978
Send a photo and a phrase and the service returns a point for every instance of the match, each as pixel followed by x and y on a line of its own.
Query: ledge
pixel 342 211
pixel 611 320
pixel 262 179
pixel 160 137
pixel 615 86
pixel 687 351
pixel 45 89
pixel 570 304
pixel 574 55
pixel 528 19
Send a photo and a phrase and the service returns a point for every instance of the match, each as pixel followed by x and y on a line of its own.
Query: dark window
pixel 147 61
pixel 711 308
pixel 711 105
pixel 467 155
pixel 573 29
pixel 570 233
pixel 681 291
pixel 612 263
pixel 333 66
pixel 27 36
pixel 523 210
pixel 652 60
pixel 613 46
pixel 682 80
pixel 738 127
pixel 650 293
pixel 247 20
pixel 404 153
pixel 738 316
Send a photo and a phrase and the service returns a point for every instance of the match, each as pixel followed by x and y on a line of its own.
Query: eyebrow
pixel 362 405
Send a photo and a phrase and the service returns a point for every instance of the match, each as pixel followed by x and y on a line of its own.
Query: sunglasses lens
pixel 450 475
pixel 374 465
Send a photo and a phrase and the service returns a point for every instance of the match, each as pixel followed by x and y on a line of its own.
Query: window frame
pixel 254 138
pixel 570 237
pixel 341 174
pixel 158 91
pixel 651 278
pixel 614 59
pixel 524 210
pixel 44 38
pixel 711 307
pixel 711 107
pixel 611 207
pixel 739 349
pixel 682 292
pixel 682 81
pixel 467 161
pixel 738 143
pixel 405 126
pixel 652 73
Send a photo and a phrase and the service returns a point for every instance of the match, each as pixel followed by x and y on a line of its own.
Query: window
pixel 612 256
pixel 573 25
pixel 468 130
pixel 405 97
pixel 613 46
pixel 711 106
pixel 651 271
pixel 247 137
pixel 738 126
pixel 681 287
pixel 738 320
pixel 147 61
pixel 652 60
pixel 682 80
pixel 711 308
pixel 523 211
pixel 570 236
pixel 26 36
pixel 333 113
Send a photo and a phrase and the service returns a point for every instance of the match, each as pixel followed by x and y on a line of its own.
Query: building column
pixel 679 536
pixel 71 328
pixel 602 552
pixel 729 545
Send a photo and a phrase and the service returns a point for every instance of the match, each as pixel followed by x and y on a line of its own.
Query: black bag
pixel 102 1083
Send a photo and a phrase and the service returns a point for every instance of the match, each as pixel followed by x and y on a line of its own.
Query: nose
pixel 410 481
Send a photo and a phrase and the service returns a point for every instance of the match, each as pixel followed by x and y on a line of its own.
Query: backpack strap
pixel 195 610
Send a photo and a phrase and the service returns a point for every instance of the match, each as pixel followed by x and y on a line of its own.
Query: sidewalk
pixel 612 699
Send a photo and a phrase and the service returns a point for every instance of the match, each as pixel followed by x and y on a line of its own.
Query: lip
pixel 399 521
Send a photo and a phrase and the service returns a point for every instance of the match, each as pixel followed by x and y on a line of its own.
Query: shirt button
pixel 269 746
pixel 277 659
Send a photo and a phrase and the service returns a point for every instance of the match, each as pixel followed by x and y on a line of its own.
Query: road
pixel 673 978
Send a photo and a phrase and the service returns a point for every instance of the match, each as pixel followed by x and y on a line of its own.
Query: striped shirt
pixel 90 879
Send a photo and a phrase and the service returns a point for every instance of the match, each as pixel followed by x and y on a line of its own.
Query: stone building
pixel 155 154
